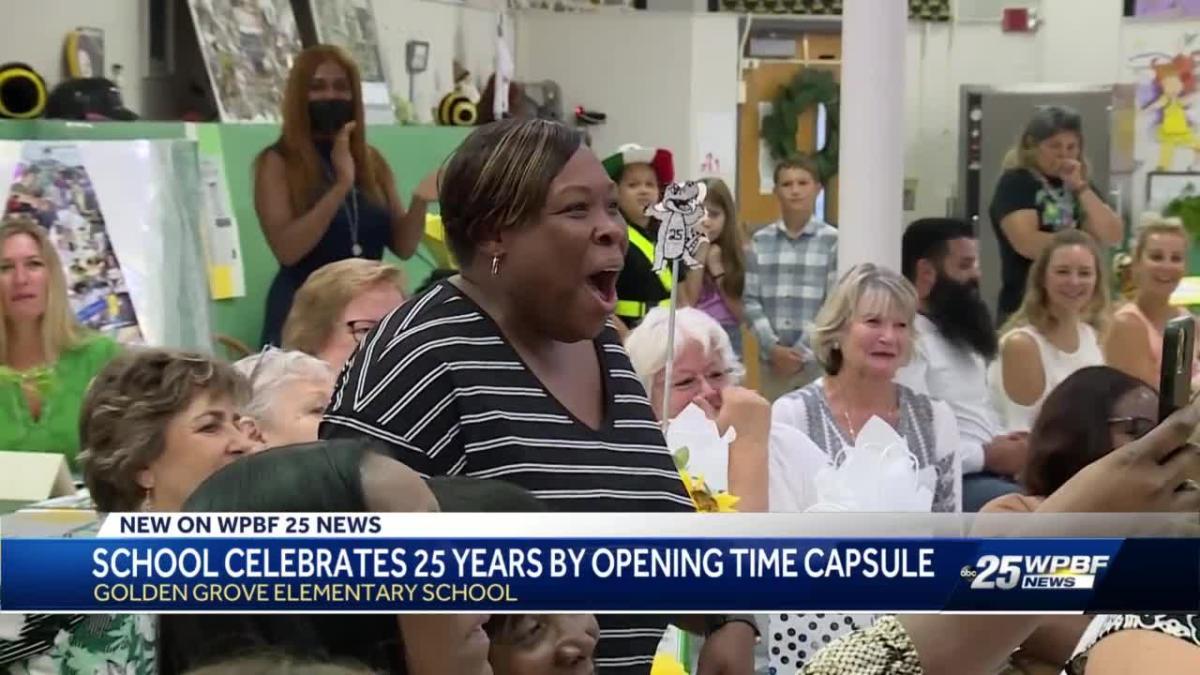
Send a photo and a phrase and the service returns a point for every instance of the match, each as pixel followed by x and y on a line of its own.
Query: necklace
pixel 351 212
pixel 888 417
pixel 352 216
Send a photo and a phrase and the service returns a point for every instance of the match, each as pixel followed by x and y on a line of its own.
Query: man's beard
pixel 959 312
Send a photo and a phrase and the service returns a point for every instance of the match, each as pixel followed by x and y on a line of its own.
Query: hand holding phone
pixel 1175 378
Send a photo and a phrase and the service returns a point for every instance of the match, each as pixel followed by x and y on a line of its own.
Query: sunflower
pixel 704 499
pixel 665 664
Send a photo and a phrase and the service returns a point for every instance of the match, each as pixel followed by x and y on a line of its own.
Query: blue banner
pixel 610 574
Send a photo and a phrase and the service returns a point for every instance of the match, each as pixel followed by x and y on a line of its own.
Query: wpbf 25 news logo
pixel 1035 572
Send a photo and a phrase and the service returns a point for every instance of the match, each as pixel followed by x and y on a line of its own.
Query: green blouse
pixel 61 386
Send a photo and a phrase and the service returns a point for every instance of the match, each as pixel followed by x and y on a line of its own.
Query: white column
pixel 871 157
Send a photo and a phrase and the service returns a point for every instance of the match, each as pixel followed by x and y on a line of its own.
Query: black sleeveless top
pixel 374 234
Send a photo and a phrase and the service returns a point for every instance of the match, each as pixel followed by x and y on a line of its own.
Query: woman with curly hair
pixel 155 424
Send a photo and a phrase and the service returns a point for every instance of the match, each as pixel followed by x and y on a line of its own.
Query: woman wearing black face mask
pixel 321 193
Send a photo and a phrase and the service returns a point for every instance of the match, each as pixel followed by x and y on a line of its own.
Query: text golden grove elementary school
pixel 304 593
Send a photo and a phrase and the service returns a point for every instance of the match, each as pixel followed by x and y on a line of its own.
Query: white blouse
pixel 1057 366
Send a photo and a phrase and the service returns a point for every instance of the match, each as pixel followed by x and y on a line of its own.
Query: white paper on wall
pixel 766 164
pixel 716 146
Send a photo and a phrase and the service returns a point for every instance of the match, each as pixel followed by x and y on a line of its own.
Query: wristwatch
pixel 714 622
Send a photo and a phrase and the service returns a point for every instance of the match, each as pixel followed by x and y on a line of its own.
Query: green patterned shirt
pixel 61 387
pixel 107 644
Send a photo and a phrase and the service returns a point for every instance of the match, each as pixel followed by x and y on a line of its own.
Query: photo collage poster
pixel 248 48
pixel 351 25
pixel 51 185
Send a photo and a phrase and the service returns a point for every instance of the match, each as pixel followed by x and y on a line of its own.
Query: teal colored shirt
pixel 61 387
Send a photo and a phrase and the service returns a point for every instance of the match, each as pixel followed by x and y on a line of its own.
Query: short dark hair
pixel 1072 429
pixel 802 162
pixel 499 178
pixel 929 239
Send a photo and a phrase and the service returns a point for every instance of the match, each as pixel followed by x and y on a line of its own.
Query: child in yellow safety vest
pixel 640 174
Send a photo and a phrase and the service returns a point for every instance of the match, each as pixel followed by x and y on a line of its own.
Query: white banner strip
pixel 649 525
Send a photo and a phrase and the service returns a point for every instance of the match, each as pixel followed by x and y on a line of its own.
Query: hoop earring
pixel 495 265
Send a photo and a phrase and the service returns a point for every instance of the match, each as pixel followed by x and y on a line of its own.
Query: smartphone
pixel 1175 379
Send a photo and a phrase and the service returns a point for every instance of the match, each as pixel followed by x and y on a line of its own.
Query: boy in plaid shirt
pixel 790 267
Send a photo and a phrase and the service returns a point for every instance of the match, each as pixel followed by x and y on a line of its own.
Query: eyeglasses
pixel 1134 426
pixel 258 364
pixel 360 328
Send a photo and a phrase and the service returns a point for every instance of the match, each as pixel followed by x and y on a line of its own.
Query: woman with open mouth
pixel 513 369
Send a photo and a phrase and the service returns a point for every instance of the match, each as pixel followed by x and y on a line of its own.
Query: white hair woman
pixel 706 372
pixel 289 393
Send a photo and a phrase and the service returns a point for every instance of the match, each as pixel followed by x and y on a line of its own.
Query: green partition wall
pixel 412 152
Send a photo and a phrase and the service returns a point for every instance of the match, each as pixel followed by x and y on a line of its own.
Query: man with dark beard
pixel 955 341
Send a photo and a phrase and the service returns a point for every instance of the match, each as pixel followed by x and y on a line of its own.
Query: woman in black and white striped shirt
pixel 513 370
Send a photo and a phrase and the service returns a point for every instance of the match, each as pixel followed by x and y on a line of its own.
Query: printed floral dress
pixel 109 644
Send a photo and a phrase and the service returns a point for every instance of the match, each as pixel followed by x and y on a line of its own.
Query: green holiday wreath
pixel 811 87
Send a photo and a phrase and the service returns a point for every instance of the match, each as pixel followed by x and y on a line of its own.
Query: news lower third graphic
pixel 359 563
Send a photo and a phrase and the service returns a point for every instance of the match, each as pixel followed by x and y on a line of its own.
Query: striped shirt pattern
pixel 440 387
pixel 787 280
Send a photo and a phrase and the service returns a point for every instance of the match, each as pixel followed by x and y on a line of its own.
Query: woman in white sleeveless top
pixel 1055 332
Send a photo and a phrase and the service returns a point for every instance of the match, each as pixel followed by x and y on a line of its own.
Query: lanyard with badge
pixel 351 212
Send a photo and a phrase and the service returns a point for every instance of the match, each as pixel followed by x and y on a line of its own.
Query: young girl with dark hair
pixel 716 287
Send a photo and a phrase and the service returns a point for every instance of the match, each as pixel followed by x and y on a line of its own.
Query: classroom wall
pixel 653 73
pixel 34 31
pixel 453 31
pixel 1077 42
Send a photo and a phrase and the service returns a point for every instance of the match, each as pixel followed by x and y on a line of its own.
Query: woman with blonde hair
pixel 1056 330
pixel 321 193
pixel 1044 189
pixel 1158 263
pixel 861 337
pixel 338 305
pixel 46 357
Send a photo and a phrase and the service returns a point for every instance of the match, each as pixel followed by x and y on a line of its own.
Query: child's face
pixel 546 644
pixel 714 221
pixel 797 190
pixel 637 189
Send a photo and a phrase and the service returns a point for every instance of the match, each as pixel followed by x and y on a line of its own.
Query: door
pixel 756 204
pixel 999 116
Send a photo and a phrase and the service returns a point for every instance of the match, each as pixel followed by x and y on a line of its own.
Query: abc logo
pixel 968 572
